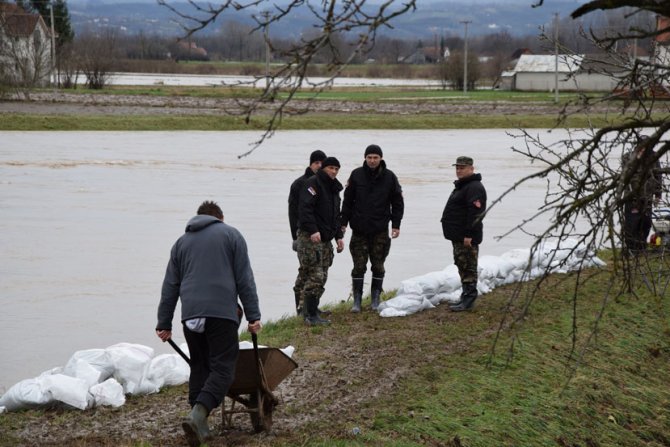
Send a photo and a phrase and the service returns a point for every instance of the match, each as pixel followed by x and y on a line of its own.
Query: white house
pixel 25 47
pixel 534 72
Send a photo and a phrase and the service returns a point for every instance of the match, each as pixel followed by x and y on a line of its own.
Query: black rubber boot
pixel 357 290
pixel 195 426
pixel 376 292
pixel 311 312
pixel 468 298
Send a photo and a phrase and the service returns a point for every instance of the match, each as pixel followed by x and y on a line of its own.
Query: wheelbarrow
pixel 257 374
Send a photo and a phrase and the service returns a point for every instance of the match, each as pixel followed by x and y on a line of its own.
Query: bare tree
pixel 96 54
pixel 332 19
pixel 589 179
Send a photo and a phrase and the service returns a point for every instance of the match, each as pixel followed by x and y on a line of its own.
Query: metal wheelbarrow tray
pixel 257 373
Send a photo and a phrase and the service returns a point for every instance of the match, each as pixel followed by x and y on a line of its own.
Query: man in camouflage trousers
pixel 462 225
pixel 372 199
pixel 318 225
pixel 315 160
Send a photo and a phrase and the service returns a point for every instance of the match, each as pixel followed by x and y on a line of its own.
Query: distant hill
pixel 431 17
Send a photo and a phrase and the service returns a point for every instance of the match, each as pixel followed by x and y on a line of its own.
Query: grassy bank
pixel 312 121
pixel 430 379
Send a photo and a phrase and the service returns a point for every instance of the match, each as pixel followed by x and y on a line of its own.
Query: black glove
pixel 295 245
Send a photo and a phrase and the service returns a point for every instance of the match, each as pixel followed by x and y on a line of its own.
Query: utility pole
pixel 465 56
pixel 266 16
pixel 556 58
pixel 53 46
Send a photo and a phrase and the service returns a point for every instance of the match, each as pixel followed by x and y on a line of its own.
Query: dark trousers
pixel 637 223
pixel 213 358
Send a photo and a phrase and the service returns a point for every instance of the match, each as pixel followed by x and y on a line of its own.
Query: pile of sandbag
pixel 96 377
pixel 429 290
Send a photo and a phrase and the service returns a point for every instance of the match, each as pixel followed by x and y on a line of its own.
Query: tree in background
pixel 587 182
pixel 359 20
pixel 62 26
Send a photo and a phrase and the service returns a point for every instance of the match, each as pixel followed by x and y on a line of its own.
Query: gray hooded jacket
pixel 209 268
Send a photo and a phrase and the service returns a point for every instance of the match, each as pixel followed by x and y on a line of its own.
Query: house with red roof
pixel 25 47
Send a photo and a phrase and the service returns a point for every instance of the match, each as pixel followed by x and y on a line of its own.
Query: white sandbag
pixel 83 370
pixel 288 351
pixel 66 389
pixel 96 358
pixel 446 297
pixel 109 392
pixel 168 370
pixel 428 284
pixel 406 304
pixel 450 280
pixel 393 312
pixel 28 393
pixel 131 362
pixel 519 257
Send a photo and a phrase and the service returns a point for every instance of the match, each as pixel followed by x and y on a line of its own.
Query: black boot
pixel 468 298
pixel 311 311
pixel 375 292
pixel 357 290
pixel 195 426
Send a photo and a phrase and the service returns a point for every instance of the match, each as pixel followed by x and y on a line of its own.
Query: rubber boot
pixel 195 426
pixel 312 318
pixel 469 296
pixel 375 292
pixel 357 290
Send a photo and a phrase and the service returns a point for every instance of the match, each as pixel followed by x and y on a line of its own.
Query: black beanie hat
pixel 373 149
pixel 317 155
pixel 330 161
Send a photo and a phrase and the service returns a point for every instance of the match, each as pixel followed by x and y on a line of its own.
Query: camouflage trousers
pixel 315 259
pixel 374 247
pixel 465 259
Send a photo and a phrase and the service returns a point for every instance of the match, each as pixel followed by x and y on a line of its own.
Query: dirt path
pixel 342 370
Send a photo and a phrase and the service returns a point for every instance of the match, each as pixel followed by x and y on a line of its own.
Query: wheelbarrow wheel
pixel 261 419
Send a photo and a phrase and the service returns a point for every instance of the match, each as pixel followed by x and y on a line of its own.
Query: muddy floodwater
pixel 88 219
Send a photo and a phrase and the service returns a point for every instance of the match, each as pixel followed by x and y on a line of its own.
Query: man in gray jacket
pixel 208 269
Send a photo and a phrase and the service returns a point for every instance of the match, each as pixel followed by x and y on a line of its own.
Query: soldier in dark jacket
pixel 645 188
pixel 318 225
pixel 372 199
pixel 462 225
pixel 298 185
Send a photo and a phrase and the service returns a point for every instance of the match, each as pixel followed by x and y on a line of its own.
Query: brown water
pixel 88 219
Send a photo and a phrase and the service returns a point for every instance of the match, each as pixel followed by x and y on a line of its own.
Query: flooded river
pixel 88 219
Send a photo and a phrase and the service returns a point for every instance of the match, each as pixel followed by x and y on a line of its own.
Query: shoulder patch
pixel 311 190
pixel 477 203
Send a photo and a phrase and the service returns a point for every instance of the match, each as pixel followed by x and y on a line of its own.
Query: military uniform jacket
pixel 294 200
pixel 466 203
pixel 320 207
pixel 372 199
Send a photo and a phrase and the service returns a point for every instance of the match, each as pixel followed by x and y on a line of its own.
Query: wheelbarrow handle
pixel 179 351
pixel 254 340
